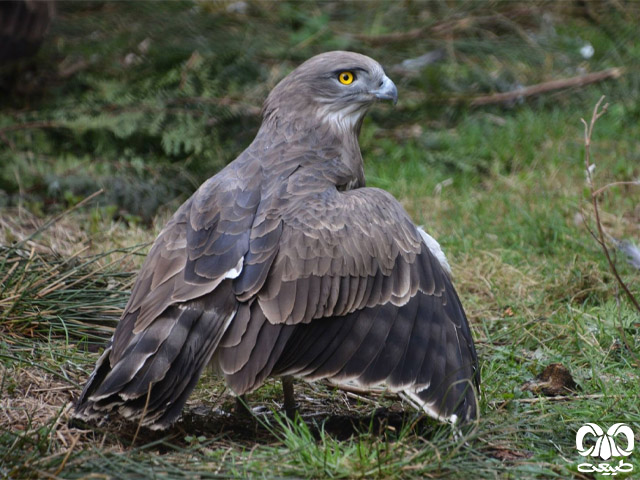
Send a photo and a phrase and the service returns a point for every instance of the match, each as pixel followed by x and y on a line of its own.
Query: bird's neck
pixel 322 152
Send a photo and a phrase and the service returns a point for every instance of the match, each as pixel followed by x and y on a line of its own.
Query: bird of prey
pixel 285 264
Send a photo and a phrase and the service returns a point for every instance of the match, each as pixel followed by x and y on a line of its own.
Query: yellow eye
pixel 346 78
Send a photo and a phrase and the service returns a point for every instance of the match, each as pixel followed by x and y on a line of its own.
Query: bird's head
pixel 335 88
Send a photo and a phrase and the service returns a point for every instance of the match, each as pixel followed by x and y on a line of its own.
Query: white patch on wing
pixel 434 247
pixel 183 292
pixel 235 271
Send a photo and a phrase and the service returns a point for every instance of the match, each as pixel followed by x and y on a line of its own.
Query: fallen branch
pixel 578 81
pixel 444 28
pixel 393 37
pixel 28 125
pixel 67 71
pixel 557 398
pixel 357 391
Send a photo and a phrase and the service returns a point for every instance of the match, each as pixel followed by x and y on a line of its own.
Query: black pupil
pixel 345 76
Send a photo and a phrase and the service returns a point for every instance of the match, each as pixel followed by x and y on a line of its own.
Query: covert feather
pixel 284 263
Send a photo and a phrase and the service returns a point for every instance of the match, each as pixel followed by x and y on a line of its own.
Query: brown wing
pixel 353 294
pixel 331 253
pixel 180 306
pixel 202 245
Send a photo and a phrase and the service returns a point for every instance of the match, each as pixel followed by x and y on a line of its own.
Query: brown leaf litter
pixel 554 380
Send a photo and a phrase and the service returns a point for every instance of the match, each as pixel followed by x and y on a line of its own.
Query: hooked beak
pixel 387 90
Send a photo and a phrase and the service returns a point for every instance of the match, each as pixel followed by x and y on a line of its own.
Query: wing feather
pixel 165 360
pixel 394 347
pixel 368 302
pixel 232 360
pixel 257 357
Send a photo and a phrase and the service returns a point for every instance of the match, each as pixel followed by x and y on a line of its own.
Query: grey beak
pixel 387 90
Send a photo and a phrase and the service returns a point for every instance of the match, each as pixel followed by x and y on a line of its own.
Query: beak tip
pixel 387 91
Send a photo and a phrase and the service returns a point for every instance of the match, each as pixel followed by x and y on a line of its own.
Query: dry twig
pixel 600 236
pixel 144 412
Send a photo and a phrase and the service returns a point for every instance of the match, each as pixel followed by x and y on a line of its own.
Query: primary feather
pixel 284 263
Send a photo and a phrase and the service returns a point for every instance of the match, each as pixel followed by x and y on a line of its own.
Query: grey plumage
pixel 284 263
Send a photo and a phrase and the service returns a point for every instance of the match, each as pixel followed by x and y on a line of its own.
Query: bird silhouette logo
pixel 605 446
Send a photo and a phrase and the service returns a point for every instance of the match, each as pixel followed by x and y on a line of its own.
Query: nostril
pixel 381 83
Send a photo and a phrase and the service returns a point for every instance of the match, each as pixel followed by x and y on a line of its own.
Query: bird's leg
pixel 242 408
pixel 290 406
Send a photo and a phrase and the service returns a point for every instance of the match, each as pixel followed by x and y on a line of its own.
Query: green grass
pixel 501 187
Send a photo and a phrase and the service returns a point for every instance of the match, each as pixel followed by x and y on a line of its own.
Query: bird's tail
pixel 153 376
